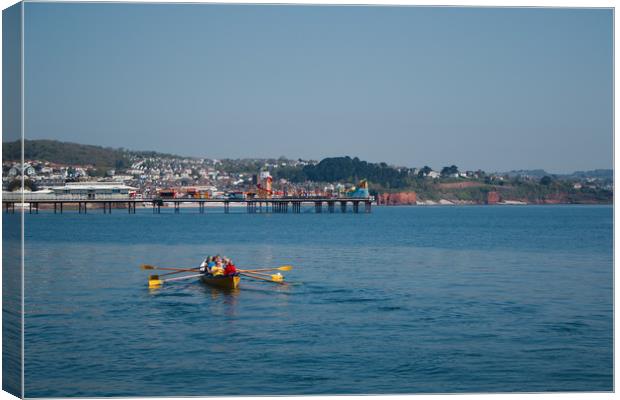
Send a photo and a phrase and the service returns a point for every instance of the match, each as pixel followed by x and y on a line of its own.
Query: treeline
pixel 66 153
pixel 74 153
pixel 347 169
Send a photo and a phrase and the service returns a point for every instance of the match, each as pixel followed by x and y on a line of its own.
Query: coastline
pixel 423 204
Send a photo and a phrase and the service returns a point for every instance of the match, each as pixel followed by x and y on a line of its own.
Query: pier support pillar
pixel 343 207
pixel 226 207
pixel 318 207
pixel 331 206
pixel 356 207
pixel 177 207
pixel 368 206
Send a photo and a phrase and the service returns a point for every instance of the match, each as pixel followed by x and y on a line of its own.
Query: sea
pixel 445 299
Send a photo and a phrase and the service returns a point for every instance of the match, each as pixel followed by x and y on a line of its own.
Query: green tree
pixel 424 171
pixel 451 170
pixel 545 180
pixel 16 184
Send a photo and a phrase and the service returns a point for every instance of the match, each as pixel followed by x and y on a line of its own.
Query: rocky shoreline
pixel 492 198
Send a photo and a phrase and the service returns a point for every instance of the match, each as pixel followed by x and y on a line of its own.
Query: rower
pixel 204 264
pixel 210 265
pixel 230 268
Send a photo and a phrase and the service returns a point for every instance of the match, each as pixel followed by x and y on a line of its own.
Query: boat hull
pixel 224 282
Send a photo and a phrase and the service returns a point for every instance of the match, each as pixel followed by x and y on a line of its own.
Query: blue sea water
pixel 402 300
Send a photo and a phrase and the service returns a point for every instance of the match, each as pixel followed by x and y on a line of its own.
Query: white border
pixel 475 3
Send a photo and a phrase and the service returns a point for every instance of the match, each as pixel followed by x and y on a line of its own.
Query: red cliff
pixel 397 199
pixel 493 198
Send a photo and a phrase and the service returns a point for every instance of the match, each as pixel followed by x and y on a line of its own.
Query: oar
pixel 275 280
pixel 274 276
pixel 176 272
pixel 155 282
pixel 282 268
pixel 182 277
pixel 151 267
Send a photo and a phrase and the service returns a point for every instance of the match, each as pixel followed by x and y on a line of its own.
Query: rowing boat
pixel 221 281
pixel 230 281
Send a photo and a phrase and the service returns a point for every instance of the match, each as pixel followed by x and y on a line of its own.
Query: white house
pixel 17 170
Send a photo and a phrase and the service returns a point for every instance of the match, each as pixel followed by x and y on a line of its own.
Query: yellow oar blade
pixel 277 278
pixel 285 268
pixel 274 278
pixel 146 266
pixel 155 282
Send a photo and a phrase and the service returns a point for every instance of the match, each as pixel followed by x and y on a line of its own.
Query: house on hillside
pixel 27 168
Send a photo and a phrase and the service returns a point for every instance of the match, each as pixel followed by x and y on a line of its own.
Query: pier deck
pixel 275 205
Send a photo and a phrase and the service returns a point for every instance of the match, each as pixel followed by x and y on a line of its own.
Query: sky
pixel 490 88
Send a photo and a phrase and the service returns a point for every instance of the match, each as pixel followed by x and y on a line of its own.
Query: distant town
pixel 54 168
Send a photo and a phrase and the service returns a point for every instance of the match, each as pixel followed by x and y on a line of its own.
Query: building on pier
pixel 93 190
pixel 81 190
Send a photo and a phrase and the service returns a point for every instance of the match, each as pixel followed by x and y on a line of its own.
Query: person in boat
pixel 218 268
pixel 204 265
pixel 230 268
pixel 210 265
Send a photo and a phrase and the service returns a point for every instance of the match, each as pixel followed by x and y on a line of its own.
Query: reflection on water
pixel 227 298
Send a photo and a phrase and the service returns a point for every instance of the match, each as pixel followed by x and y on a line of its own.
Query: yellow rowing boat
pixel 222 281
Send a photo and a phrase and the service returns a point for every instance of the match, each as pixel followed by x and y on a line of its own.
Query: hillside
pixel 606 174
pixel 477 187
pixel 73 153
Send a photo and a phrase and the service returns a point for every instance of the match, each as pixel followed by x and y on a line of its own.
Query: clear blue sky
pixel 496 89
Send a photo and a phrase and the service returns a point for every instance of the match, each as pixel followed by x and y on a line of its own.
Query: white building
pixel 17 168
pixel 93 190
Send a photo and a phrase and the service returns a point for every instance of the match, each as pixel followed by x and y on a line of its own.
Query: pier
pixel 252 206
